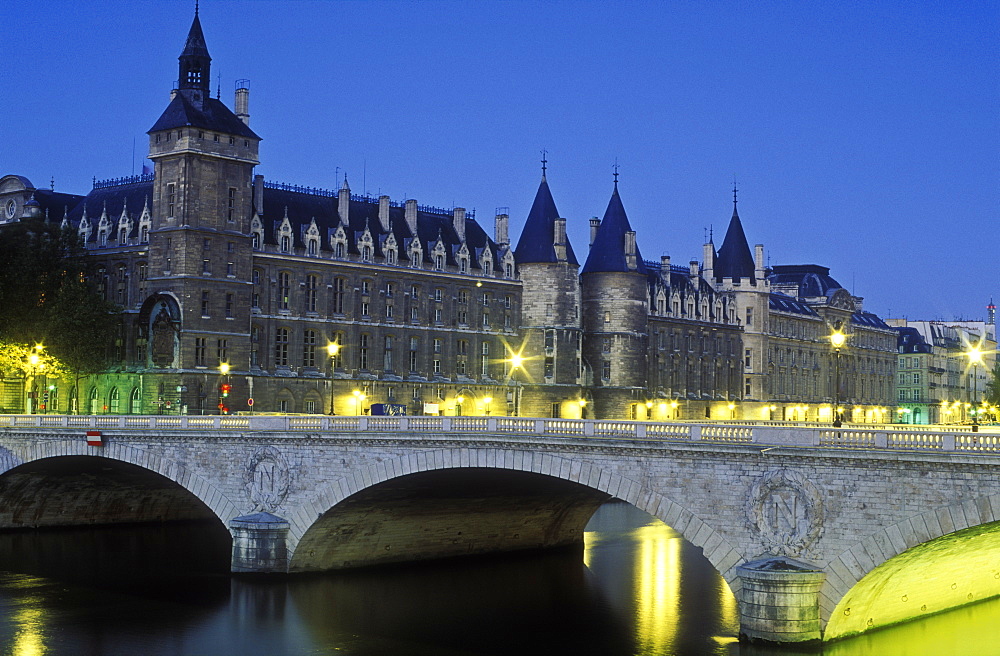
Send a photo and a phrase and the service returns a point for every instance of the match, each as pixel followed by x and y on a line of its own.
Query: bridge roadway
pixel 821 533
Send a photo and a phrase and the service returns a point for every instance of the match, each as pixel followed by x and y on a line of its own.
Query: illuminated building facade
pixel 937 382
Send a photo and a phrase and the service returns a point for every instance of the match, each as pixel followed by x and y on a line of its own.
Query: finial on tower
pixel 195 7
pixel 544 162
pixel 616 172
pixel 734 191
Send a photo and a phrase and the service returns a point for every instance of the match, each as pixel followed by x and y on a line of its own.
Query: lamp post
pixel 359 397
pixel 332 349
pixel 516 362
pixel 224 387
pixel 486 404
pixel 837 340
pixel 975 356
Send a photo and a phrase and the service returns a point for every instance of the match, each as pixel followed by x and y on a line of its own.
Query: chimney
pixel 383 212
pixel 344 202
pixel 243 101
pixel 459 220
pixel 665 264
pixel 694 268
pixel 410 214
pixel 595 223
pixel 500 232
pixel 758 252
pixel 258 194
pixel 630 258
pixel 559 239
pixel 708 255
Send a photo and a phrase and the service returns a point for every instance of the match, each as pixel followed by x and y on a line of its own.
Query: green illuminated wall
pixel 953 570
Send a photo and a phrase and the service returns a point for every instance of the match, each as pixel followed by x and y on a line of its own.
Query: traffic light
pixel 224 389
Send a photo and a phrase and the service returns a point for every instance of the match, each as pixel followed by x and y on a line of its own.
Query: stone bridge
pixel 821 533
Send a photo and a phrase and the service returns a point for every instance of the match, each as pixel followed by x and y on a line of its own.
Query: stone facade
pixel 840 507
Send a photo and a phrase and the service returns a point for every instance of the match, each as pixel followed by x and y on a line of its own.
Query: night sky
pixel 862 136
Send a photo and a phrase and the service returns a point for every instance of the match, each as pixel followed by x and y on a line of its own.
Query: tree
pixel 993 386
pixel 47 298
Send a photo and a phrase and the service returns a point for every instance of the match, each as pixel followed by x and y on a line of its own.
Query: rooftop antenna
pixel 544 162
pixel 336 174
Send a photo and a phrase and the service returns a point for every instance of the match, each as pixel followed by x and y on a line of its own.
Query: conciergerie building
pixel 306 300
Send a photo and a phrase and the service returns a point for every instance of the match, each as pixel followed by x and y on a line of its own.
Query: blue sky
pixel 863 136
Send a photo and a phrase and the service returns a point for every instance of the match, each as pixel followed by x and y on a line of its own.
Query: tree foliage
pixel 46 297
pixel 993 386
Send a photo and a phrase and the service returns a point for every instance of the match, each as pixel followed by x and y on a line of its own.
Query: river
pixel 636 588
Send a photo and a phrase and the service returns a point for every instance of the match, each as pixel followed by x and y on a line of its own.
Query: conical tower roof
pixel 735 259
pixel 538 235
pixel 607 253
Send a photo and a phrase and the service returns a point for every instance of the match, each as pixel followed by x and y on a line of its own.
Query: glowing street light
pixel 486 404
pixel 975 356
pixel 837 340
pixel 359 397
pixel 332 349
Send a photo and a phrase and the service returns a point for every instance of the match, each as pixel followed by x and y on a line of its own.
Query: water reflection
pixel 636 588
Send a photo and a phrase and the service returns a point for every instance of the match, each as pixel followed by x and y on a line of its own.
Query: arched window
pixel 135 403
pixel 313 247
pixel 508 270
pixel 286 244
pixel 255 241
pixel 95 402
pixel 366 253
pixel 340 251
pixel 113 402
pixel 281 347
pixel 439 262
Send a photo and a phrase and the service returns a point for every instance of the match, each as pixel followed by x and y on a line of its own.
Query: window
pixel 607 317
pixel 438 294
pixel 366 287
pixel 199 351
pixel 113 401
pixel 549 366
pixel 916 378
pixel 486 319
pixel 171 196
pixel 204 304
pixel 255 241
pixel 222 351
pixel 485 358
pixel 135 402
pixel 309 348
pixel 390 287
pixel 437 345
pixel 286 244
pixel 387 355
pixel 437 366
pixel 284 290
pixel 229 306
pixel 438 314
pixel 746 388
pixel 463 297
pixel 606 370
pixel 749 316
pixel 486 299
pixel 506 301
pixel 338 296
pixel 550 339
pixel 363 353
pixel 206 267
pixel 388 311
pixel 230 269
pixel 312 285
pixel 281 347
pixel 438 262
pixel 414 348
pixel 606 345
pixel 231 208
pixel 122 294
pixel 365 308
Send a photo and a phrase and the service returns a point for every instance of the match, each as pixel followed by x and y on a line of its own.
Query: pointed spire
pixel 194 74
pixel 735 260
pixel 544 162
pixel 537 240
pixel 609 252
pixel 345 185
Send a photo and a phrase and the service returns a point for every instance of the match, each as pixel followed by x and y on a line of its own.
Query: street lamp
pixel 358 399
pixel 975 356
pixel 837 340
pixel 486 404
pixel 332 349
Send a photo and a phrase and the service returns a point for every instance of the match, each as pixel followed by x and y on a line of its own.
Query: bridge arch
pixel 928 563
pixel 717 549
pixel 203 490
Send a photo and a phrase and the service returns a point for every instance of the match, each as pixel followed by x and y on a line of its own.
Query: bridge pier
pixel 779 600
pixel 260 544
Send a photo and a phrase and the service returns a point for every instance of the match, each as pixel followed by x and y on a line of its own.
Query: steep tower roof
pixel 192 104
pixel 195 62
pixel 608 250
pixel 735 260
pixel 538 235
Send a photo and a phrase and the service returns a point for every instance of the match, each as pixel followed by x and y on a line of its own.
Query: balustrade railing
pixel 771 436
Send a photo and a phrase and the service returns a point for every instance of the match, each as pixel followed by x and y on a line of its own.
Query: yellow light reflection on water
pixel 658 582
pixel 28 622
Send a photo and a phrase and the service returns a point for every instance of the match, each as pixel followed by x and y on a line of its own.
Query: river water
pixel 637 588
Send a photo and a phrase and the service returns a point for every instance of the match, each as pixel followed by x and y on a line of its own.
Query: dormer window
pixel 341 250
pixel 286 244
pixel 438 261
